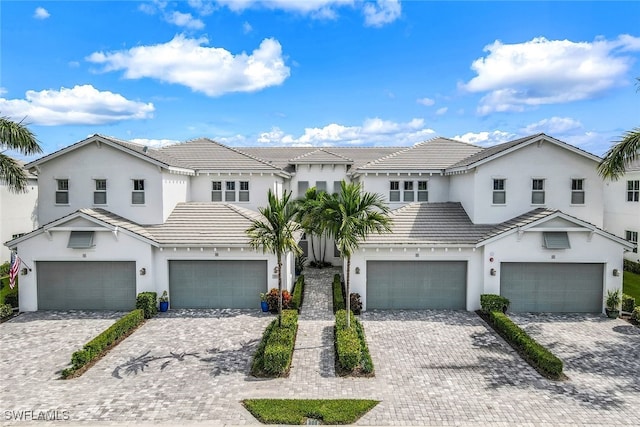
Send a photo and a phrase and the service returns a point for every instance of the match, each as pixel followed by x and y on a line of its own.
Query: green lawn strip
pixel 293 411
pixel 631 285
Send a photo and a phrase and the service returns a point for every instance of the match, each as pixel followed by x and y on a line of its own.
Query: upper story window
pixel 137 195
pixel 394 191
pixel 216 191
pixel 423 194
pixel 62 191
pixel 321 186
pixel 337 187
pixel 230 188
pixel 303 186
pixel 243 194
pixel 537 191
pixel 633 191
pixel 230 193
pixel 408 191
pixel 632 236
pixel 499 192
pixel 577 191
pixel 100 195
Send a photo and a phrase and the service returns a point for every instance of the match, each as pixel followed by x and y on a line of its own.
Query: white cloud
pixel 204 8
pixel 553 126
pixel 540 71
pixel 41 13
pixel 154 143
pixel 381 13
pixel 485 138
pixel 373 131
pixel 426 101
pixel 246 27
pixel 210 70
pixel 79 105
pixel 3 91
pixel 441 111
pixel 184 20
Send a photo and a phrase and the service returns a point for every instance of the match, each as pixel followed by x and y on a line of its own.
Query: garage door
pixel 86 285
pixel 417 284
pixel 544 287
pixel 217 284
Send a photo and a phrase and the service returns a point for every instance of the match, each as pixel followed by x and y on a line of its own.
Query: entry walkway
pixel 313 354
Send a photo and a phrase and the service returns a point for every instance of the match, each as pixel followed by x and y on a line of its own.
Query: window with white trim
pixel 632 237
pixel 633 191
pixel 216 191
pixel 408 195
pixel 243 193
pixel 537 191
pixel 230 191
pixel 100 195
pixel 394 191
pixel 577 191
pixel 62 191
pixel 137 195
pixel 423 193
pixel 499 192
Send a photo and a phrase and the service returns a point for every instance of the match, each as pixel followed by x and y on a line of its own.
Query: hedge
pixel 540 358
pixel 631 266
pixel 147 302
pixel 5 310
pixel 352 352
pixel 338 295
pixel 491 302
pixel 275 351
pixel 94 348
pixel 628 303
pixel 298 294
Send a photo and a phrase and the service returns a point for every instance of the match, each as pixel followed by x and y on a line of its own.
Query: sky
pixel 321 72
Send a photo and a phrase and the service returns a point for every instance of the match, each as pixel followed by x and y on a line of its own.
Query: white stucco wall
pixel 18 214
pixel 175 189
pixel 314 173
pixel 462 188
pixel 619 214
pixel 259 185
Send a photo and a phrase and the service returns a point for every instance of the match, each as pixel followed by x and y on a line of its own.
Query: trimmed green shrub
pixel 541 358
pixel 5 310
pixel 635 315
pixel 275 351
pixel 352 352
pixel 491 302
pixel 338 295
pixel 94 348
pixel 146 301
pixel 628 303
pixel 4 268
pixel 297 295
pixel 631 266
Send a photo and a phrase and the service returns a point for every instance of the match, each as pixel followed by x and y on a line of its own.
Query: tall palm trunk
pixel 279 290
pixel 348 297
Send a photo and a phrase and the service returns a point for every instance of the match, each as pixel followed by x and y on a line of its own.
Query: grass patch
pixel 275 351
pixel 631 285
pixel 352 352
pixel 5 290
pixel 293 411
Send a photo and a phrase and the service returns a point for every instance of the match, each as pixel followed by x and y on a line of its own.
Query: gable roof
pixel 321 156
pixel 496 151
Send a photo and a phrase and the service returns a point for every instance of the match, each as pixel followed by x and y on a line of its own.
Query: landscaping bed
pixel 275 351
pixel 296 412
pixel 338 294
pixel 352 352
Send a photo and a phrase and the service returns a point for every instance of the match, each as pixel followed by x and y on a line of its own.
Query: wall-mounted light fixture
pixel 357 270
pixel 275 270
pixel 143 271
pixel 492 272
pixel 616 273
pixel 24 271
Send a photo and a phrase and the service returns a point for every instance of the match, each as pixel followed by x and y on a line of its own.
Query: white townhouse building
pixel 523 219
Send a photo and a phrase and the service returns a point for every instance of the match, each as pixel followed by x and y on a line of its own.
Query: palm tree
pixel 349 216
pixel 15 136
pixel 275 233
pixel 624 152
pixel 309 211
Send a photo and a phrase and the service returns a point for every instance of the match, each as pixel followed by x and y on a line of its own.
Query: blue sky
pixel 322 73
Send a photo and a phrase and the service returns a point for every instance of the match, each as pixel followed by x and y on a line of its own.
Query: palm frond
pixel 16 136
pixel 621 155
pixel 12 174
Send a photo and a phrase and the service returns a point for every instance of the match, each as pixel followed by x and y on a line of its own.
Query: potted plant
pixel 263 302
pixel 164 301
pixel 613 303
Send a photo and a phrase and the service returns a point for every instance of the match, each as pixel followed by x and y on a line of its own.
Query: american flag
pixel 13 272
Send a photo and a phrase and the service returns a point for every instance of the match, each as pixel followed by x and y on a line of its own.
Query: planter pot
pixel 164 306
pixel 265 306
pixel 612 314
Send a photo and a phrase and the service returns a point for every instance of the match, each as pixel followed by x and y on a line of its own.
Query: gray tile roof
pixel 149 152
pixel 491 151
pixel 206 224
pixel 519 221
pixel 435 154
pixel 282 156
pixel 321 156
pixel 117 221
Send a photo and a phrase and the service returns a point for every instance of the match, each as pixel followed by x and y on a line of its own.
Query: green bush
pixel 628 303
pixel 11 296
pixel 352 351
pixel 275 351
pixel 539 356
pixel 4 269
pixel 297 295
pixel 491 302
pixel 338 295
pixel 5 311
pixel 635 315
pixel 631 266
pixel 94 348
pixel 146 301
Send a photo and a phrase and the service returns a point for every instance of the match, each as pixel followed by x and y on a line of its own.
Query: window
pixel 303 186
pixel 100 195
pixel 230 193
pixel 423 194
pixel 337 187
pixel 537 191
pixel 632 236
pixel 408 191
pixel 633 191
pixel 499 193
pixel 216 191
pixel 577 191
pixel 80 240
pixel 394 191
pixel 137 195
pixel 556 240
pixel 321 186
pixel 62 193
pixel 243 194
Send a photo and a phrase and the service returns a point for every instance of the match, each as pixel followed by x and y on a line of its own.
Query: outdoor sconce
pixel 24 271
pixel 357 270
pixel 143 271
pixel 492 272
pixel 616 273
pixel 275 270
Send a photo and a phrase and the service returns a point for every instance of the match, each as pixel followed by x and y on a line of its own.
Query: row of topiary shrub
pixel 297 296
pixel 275 351
pixel 352 352
pixel 629 306
pixel 146 301
pixel 338 294
pixel 97 346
